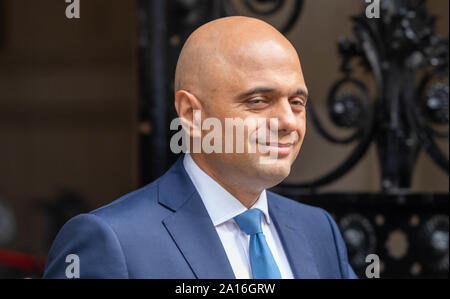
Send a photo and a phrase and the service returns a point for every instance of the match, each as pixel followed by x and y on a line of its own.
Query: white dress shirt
pixel 222 207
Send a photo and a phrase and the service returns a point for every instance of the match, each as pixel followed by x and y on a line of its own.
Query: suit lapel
pixel 193 232
pixel 295 243
pixel 191 227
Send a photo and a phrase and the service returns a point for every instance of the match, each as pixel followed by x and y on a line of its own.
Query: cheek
pixel 301 130
pixel 301 121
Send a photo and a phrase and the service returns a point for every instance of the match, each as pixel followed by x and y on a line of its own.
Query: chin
pixel 275 172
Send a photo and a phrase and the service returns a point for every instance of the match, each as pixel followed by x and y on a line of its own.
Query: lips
pixel 281 149
pixel 277 144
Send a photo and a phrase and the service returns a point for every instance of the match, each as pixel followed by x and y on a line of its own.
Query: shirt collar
pixel 220 204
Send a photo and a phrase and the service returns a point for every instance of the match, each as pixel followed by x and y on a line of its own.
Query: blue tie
pixel 261 259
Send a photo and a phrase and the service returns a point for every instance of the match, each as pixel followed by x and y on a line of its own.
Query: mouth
pixel 280 149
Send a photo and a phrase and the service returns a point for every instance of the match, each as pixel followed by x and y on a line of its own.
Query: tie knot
pixel 249 221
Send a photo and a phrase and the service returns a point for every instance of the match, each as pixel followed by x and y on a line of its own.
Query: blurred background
pixel 85 105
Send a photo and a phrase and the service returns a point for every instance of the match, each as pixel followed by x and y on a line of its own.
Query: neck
pixel 247 197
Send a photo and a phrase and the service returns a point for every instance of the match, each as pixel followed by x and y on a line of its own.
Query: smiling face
pixel 244 69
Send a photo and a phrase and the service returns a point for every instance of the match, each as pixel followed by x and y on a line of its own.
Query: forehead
pixel 262 64
pixel 257 54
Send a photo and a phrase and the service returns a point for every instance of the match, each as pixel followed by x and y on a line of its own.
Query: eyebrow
pixel 259 90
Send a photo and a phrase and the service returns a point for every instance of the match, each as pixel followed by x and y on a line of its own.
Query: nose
pixel 287 121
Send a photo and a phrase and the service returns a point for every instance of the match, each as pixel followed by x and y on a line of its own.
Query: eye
pixel 298 102
pixel 257 103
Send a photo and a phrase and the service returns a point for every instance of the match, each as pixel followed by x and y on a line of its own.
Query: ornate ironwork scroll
pixel 402 115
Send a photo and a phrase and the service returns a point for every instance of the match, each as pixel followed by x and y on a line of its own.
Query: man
pixel 210 215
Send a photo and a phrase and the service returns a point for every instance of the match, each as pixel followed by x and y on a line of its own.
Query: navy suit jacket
pixel 164 231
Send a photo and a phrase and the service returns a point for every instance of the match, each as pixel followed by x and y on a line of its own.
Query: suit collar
pixel 175 187
pixel 295 243
pixel 191 227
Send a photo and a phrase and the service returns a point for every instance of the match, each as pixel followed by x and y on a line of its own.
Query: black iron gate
pixel 403 118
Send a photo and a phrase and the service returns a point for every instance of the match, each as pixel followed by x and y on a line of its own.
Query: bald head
pixel 217 50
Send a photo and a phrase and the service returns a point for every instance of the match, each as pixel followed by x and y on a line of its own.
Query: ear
pixel 189 109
